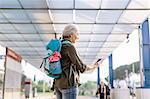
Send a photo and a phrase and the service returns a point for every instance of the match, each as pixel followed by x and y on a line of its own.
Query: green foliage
pixel 87 88
pixel 40 86
pixel 119 73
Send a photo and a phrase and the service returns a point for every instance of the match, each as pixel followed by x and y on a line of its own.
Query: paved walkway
pixel 86 97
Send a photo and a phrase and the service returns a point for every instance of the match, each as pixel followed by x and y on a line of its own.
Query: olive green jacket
pixel 72 66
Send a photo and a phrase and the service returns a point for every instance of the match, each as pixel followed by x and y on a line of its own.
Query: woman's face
pixel 74 37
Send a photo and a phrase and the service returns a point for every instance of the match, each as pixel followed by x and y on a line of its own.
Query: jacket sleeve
pixel 75 59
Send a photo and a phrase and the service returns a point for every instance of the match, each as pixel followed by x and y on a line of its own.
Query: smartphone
pixel 99 60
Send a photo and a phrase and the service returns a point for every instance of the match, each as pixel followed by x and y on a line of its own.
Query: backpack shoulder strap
pixel 66 42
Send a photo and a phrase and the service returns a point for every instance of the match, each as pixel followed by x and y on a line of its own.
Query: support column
pixel 146 53
pixel 98 76
pixel 111 71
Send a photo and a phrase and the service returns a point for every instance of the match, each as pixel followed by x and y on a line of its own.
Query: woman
pixel 66 86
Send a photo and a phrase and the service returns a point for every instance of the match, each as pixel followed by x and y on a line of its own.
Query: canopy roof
pixel 27 25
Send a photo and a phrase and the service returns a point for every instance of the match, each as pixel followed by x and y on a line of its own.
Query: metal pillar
pixel 146 53
pixel 111 71
pixel 98 76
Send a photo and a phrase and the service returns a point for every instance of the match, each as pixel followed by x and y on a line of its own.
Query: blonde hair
pixel 69 29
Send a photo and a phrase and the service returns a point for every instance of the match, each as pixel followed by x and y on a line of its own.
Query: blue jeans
pixel 70 93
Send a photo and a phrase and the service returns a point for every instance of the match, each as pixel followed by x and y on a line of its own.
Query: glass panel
pixel 3 37
pixel 92 49
pixel 39 16
pixel 36 43
pixel 84 37
pixel 9 4
pixel 2 19
pixel 136 16
pixel 139 4
pixel 99 37
pixel 82 44
pixel 85 28
pixel 105 16
pixel 44 28
pixel 9 44
pixel 119 38
pixel 80 50
pixel 62 16
pixel 22 43
pixel 31 36
pixel 123 28
pixel 107 50
pixel 59 27
pixel 47 37
pixel 95 4
pixel 16 15
pixel 95 44
pixel 25 28
pixel 114 3
pixel 111 44
pixel 7 28
pixel 103 28
pixel 60 3
pixel 85 16
pixel 14 36
pixel 34 3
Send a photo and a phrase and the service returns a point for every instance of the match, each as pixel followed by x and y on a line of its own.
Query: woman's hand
pixel 92 67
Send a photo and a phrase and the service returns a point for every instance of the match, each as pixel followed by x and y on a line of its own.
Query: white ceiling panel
pixel 80 50
pixel 87 28
pixel 107 50
pixel 102 28
pixel 92 49
pixel 124 28
pixel 2 18
pixel 16 16
pixel 114 3
pixel 7 44
pixel 25 28
pixel 23 43
pixel 44 28
pixel 41 16
pixel 63 16
pixel 139 4
pixel 36 43
pixel 82 44
pixel 7 28
pixel 103 24
pixel 31 36
pixel 59 28
pixel 111 44
pixel 95 44
pixel 83 53
pixel 34 3
pixel 92 4
pixel 119 38
pixel 47 37
pixel 136 16
pixel 3 37
pixel 9 4
pixel 84 37
pixel 14 36
pixel 99 37
pixel 85 16
pixel 106 16
pixel 60 3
